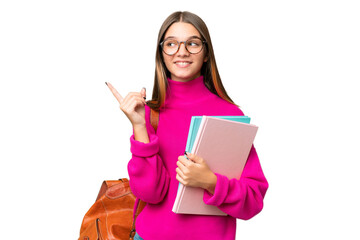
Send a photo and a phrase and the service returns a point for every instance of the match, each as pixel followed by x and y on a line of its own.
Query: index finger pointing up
pixel 116 94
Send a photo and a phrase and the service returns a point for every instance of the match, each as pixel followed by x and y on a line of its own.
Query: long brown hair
pixel 209 69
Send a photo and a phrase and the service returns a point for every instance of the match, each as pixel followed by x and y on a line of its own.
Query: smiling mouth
pixel 182 63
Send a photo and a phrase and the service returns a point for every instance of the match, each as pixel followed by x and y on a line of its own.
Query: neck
pixel 186 91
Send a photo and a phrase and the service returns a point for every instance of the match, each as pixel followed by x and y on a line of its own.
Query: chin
pixel 185 77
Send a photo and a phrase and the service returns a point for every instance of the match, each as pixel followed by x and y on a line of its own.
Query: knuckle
pixel 134 94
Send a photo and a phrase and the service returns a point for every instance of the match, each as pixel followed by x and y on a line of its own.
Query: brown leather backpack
pixel 113 215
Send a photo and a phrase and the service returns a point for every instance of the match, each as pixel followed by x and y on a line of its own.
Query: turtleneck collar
pixel 185 91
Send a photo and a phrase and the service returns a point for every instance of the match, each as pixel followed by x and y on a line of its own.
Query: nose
pixel 182 49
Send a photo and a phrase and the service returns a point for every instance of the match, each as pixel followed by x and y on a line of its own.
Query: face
pixel 183 65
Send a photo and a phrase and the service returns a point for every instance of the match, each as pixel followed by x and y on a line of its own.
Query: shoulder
pixel 226 108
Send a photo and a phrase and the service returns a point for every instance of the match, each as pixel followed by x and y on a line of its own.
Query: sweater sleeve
pixel 149 179
pixel 240 198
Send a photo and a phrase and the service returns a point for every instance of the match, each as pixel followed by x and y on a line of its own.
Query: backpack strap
pixel 138 207
pixel 154 118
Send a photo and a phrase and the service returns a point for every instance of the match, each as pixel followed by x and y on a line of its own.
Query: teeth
pixel 182 63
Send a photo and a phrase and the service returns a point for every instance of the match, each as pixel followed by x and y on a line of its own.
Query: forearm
pixel 149 179
pixel 140 133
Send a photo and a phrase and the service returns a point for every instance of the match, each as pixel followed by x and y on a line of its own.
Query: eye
pixel 194 43
pixel 170 43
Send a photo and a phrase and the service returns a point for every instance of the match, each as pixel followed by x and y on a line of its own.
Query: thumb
pixel 143 92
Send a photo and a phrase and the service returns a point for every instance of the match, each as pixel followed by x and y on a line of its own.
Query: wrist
pixel 139 126
pixel 210 186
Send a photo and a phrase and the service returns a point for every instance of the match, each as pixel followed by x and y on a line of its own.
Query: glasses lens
pixel 194 45
pixel 170 46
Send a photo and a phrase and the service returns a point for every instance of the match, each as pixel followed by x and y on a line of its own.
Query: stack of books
pixel 224 142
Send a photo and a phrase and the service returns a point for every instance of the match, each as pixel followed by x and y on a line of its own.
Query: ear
pixel 206 58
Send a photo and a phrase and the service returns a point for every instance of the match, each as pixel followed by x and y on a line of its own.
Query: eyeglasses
pixel 172 46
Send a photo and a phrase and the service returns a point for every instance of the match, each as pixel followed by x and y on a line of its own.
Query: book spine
pixel 199 134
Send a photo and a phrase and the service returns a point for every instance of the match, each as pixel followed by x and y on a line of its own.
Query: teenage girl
pixel 187 83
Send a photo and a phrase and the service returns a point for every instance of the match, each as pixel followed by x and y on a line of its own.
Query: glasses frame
pixel 184 42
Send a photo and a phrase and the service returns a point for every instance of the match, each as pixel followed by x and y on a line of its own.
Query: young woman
pixel 187 83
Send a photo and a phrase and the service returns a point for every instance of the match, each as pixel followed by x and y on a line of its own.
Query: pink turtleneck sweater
pixel 153 177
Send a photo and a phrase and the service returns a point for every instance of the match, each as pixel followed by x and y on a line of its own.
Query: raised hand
pixel 133 105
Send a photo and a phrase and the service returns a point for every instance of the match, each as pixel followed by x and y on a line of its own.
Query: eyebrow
pixel 173 37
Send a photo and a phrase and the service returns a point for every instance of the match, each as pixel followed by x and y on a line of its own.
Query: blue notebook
pixel 195 124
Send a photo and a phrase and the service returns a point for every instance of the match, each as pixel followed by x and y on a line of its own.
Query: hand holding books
pixel 194 172
pixel 224 142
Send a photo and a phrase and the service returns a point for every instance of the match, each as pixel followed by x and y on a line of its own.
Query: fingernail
pixel 106 83
pixel 185 153
pixel 144 88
